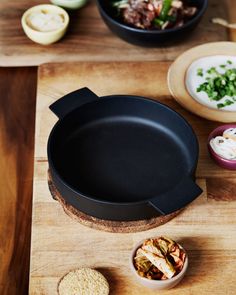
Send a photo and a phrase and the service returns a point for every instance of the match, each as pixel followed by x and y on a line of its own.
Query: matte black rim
pixel 97 200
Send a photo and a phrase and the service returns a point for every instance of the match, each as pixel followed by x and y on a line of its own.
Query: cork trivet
pixel 108 225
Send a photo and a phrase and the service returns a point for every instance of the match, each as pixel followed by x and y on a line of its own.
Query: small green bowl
pixel 70 4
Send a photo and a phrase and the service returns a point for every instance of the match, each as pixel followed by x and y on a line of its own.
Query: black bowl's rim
pixel 77 191
pixel 194 20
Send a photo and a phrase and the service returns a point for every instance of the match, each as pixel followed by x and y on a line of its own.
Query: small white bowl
pixel 70 4
pixel 158 284
pixel 45 38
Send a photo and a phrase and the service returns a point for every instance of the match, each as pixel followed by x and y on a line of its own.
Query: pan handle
pixel 72 101
pixel 180 196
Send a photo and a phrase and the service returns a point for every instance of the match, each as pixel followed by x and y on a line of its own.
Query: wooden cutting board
pixel 206 228
pixel 88 38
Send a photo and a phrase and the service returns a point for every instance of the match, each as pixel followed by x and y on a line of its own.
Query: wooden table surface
pixel 206 228
pixel 17 96
pixel 88 38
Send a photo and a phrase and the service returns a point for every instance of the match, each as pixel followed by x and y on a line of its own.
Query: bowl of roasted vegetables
pixel 152 22
pixel 159 263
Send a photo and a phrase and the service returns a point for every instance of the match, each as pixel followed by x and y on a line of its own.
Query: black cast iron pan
pixel 122 157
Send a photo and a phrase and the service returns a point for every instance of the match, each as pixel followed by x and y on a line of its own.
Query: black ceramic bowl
pixel 149 37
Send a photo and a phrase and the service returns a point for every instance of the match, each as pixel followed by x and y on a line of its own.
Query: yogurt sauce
pixel 192 80
pixel 45 21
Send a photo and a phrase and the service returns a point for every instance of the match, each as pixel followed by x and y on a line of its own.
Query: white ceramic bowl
pixel 158 284
pixel 70 4
pixel 45 38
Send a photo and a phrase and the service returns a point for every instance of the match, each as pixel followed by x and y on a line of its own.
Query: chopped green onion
pixel 119 3
pixel 165 9
pixel 226 103
pixel 212 71
pixel 171 18
pixel 200 72
pixel 158 22
pixel 218 85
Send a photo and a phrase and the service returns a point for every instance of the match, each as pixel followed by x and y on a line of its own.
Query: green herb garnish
pixel 158 22
pixel 226 103
pixel 166 5
pixel 200 72
pixel 119 3
pixel 171 18
pixel 218 85
pixel 212 71
pixel 229 62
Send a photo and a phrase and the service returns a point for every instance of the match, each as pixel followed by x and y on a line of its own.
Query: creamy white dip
pixel 45 21
pixel 192 80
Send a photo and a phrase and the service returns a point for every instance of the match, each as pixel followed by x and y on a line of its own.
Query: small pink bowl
pixel 227 164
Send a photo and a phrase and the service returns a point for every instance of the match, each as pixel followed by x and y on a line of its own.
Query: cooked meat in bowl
pixel 154 14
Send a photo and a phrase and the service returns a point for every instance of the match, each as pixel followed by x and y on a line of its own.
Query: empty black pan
pixel 122 157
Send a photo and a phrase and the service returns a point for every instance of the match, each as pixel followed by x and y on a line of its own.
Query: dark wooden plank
pixel 17 111
pixel 221 189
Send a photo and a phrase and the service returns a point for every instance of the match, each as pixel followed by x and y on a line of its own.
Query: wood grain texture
pixel 230 6
pixel 88 38
pixel 221 189
pixel 17 100
pixel 206 228
pixel 15 172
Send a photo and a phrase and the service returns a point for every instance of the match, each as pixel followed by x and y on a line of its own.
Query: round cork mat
pixel 108 225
